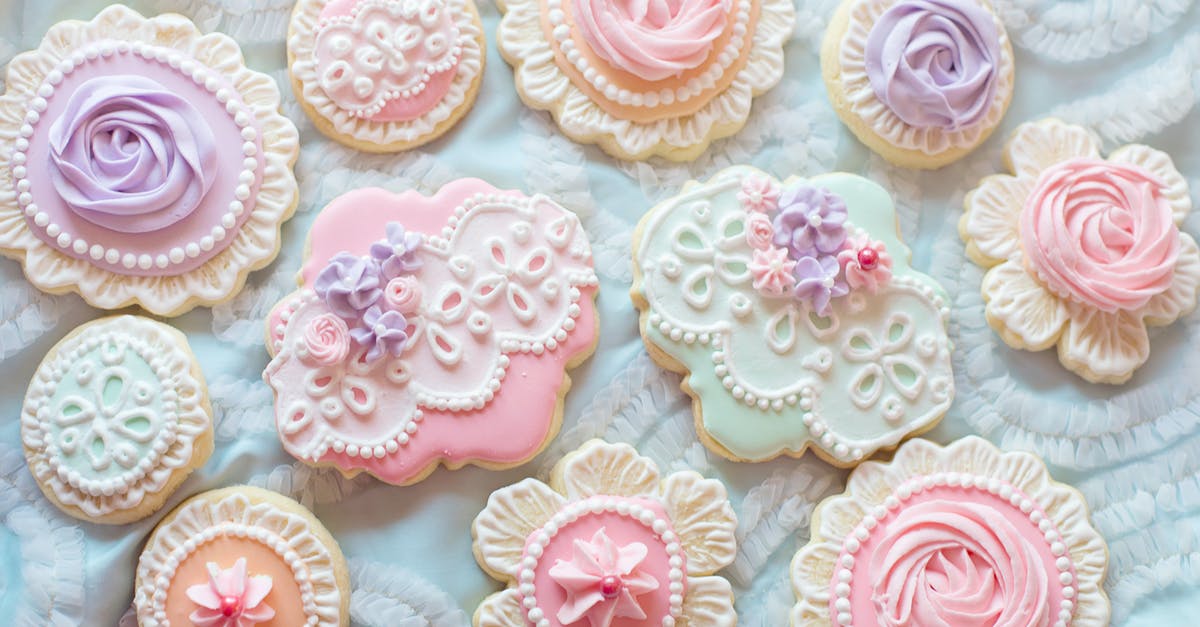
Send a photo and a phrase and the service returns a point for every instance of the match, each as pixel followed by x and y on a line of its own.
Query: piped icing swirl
pixel 130 156
pixel 934 63
pixel 652 39
pixel 1100 233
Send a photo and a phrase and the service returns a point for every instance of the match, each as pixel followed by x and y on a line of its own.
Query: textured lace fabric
pixel 1127 69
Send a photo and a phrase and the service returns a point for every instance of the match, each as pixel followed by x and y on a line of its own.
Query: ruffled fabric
pixel 387 596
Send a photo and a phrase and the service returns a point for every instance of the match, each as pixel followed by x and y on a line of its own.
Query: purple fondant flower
pixel 811 221
pixel 397 254
pixel 381 332
pixel 818 281
pixel 348 285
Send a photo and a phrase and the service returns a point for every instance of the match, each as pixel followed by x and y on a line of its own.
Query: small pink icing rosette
pixel 608 543
pixel 959 535
pixel 1082 251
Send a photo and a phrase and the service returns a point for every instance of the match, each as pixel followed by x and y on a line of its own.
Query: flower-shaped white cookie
pixel 1081 251
pixel 608 539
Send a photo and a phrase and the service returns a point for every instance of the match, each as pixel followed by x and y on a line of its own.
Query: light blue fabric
pixel 1129 70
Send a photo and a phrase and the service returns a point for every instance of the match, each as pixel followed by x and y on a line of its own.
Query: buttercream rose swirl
pixel 960 564
pixel 1101 234
pixel 652 39
pixel 131 156
pixel 933 62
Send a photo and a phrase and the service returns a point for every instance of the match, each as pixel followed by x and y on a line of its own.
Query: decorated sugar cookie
pixel 241 557
pixel 1082 251
pixel 920 82
pixel 432 329
pixel 385 75
pixel 142 163
pixel 961 535
pixel 795 315
pixel 643 79
pixel 116 417
pixel 609 543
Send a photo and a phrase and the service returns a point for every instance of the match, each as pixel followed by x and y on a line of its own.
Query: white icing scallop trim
pixel 239 515
pixel 184 414
pixel 544 86
pixel 882 121
pixel 257 240
pixel 467 72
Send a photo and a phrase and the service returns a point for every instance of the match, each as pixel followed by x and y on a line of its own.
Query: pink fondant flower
pixel 866 263
pixel 327 339
pixel 759 194
pixel 403 294
pixel 231 598
pixel 759 231
pixel 603 581
pixel 772 271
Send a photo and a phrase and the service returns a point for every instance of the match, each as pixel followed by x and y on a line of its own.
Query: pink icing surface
pixel 652 39
pixel 622 530
pixel 188 230
pixel 284 596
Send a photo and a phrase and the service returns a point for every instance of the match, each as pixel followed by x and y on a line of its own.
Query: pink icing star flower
pixel 758 194
pixel 230 598
pixel 866 263
pixel 603 581
pixel 772 271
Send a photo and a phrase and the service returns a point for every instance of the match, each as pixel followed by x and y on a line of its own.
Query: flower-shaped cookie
pixel 414 315
pixel 608 543
pixel 795 314
pixel 961 535
pixel 645 78
pixel 1081 251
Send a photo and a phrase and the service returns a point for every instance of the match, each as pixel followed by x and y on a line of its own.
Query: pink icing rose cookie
pixel 432 329
pixel 242 557
pixel 920 82
pixel 961 535
pixel 385 75
pixel 659 78
pixel 1081 251
pixel 142 163
pixel 608 543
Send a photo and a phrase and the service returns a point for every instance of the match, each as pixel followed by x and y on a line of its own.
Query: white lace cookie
pixel 642 79
pixel 961 535
pixel 385 75
pixel 920 82
pixel 432 330
pixel 794 312
pixel 609 543
pixel 1082 251
pixel 142 163
pixel 116 417
pixel 240 557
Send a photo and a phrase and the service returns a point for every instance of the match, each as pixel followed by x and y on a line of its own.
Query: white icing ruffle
pixel 257 240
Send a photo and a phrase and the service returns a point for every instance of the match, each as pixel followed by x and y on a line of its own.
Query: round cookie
pixel 385 75
pixel 920 82
pixel 116 417
pixel 142 163
pixel 608 543
pixel 960 535
pixel 642 79
pixel 431 330
pixel 795 315
pixel 242 557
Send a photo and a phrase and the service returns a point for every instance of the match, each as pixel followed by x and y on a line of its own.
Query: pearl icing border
pixel 1002 489
pixel 201 75
pixel 541 538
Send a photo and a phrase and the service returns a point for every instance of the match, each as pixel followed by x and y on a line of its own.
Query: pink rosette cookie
pixel 1081 251
pixel 385 75
pixel 608 543
pixel 961 535
pixel 431 330
pixel 141 163
pixel 664 78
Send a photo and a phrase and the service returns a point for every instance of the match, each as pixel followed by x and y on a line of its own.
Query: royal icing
pixel 848 352
pixel 952 538
pixel 452 294
pixel 240 557
pixel 652 40
pixel 135 159
pixel 613 550
pixel 115 416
